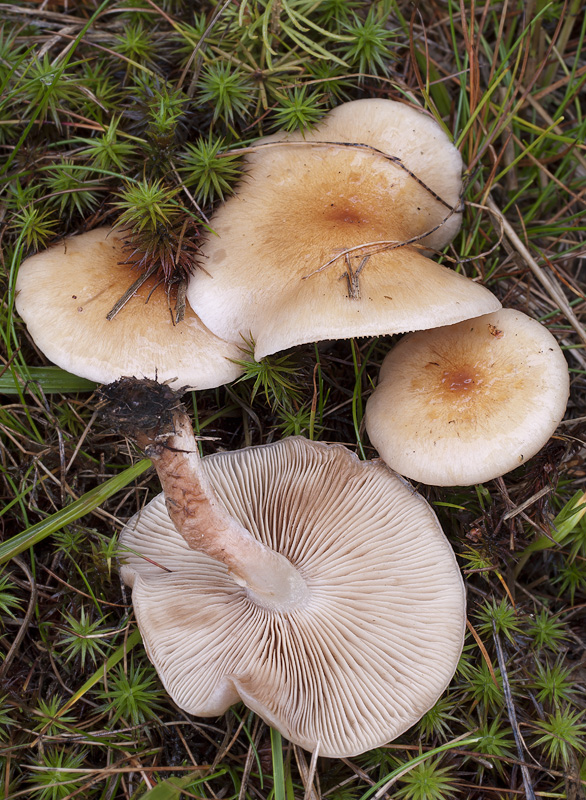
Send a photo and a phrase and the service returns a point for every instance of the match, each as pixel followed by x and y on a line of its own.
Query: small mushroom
pixel 312 246
pixel 64 295
pixel 317 588
pixel 466 403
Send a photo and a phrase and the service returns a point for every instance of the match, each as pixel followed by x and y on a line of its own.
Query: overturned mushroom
pixel 469 402
pixel 64 295
pixel 317 588
pixel 313 245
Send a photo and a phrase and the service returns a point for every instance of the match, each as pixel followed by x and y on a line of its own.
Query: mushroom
pixel 317 588
pixel 313 245
pixel 466 403
pixel 64 295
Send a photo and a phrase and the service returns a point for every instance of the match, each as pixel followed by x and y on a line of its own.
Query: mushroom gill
pixel 368 645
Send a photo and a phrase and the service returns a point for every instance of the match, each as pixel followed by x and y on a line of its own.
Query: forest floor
pixel 132 110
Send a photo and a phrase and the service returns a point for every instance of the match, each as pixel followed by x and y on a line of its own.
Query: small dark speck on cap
pixel 74 297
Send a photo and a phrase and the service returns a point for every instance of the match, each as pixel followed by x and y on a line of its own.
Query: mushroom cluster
pixel 474 392
pixel 317 588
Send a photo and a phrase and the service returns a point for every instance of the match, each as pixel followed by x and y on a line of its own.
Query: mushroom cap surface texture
pixel 406 134
pixel 370 650
pixel 302 204
pixel 467 403
pixel 64 294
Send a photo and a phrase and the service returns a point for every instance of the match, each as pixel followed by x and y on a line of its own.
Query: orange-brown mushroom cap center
pixel 457 386
pixel 460 380
pixel 346 211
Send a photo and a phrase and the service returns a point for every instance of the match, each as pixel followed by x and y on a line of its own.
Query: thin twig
pixel 250 757
pixel 529 502
pixel 345 145
pixel 548 284
pixel 529 793
pixel 128 294
pixel 27 617
pixel 307 773
pixel 80 441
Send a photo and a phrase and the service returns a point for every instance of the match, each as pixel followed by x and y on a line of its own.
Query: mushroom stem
pixel 206 526
pixel 151 414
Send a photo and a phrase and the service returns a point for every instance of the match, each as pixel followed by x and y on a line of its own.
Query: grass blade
pixel 98 675
pixel 170 789
pixel 79 508
pixel 52 380
pixel 278 766
pixel 396 773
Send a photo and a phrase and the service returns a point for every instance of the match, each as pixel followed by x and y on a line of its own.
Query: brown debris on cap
pixel 311 246
pixel 469 402
pixel 65 293
pixel 370 645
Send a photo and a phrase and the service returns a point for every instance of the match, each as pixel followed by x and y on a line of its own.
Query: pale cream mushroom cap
pixel 64 294
pixel 300 206
pixel 466 403
pixel 411 136
pixel 363 656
